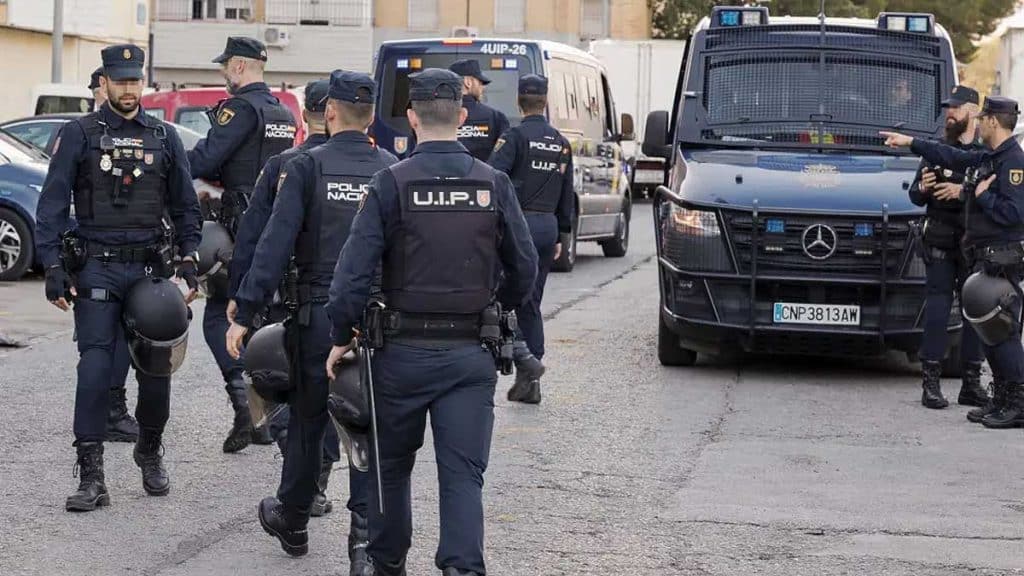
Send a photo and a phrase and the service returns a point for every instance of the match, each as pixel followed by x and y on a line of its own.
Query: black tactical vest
pixel 444 257
pixel 341 180
pixel 538 175
pixel 478 132
pixel 122 181
pixel 275 133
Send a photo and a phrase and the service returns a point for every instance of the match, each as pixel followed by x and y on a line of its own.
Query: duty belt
pixel 127 254
pixel 1011 254
pixel 431 326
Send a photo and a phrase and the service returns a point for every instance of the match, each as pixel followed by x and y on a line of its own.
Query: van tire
pixel 618 246
pixel 670 353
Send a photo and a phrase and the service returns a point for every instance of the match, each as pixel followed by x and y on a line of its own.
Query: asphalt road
pixel 758 466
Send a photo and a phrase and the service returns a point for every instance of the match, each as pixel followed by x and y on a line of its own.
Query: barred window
pixel 423 15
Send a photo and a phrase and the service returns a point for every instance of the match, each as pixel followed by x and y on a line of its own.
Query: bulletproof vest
pixel 981 229
pixel 342 178
pixel 443 259
pixel 275 133
pixel 477 133
pixel 538 174
pixel 122 181
pixel 948 211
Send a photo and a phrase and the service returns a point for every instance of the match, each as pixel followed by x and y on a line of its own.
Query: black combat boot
pixel 995 403
pixel 1012 413
pixel 931 396
pixel 121 427
pixel 261 436
pixel 450 571
pixel 972 393
pixel 384 569
pixel 321 505
pixel 240 435
pixel 528 370
pixel 358 540
pixel 276 522
pixel 148 456
pixel 92 491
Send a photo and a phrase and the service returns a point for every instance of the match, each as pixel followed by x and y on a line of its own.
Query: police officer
pixel 538 159
pixel 484 125
pixel 317 199
pixel 126 171
pixel 447 226
pixel 939 189
pixel 995 226
pixel 246 130
pixel 99 92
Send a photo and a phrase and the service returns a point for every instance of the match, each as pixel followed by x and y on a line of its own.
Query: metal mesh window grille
pixel 319 12
pixel 845 37
pixel 779 88
pixel 510 15
pixel 423 15
pixel 592 19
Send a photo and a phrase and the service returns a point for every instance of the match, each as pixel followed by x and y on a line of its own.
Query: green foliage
pixel 966 20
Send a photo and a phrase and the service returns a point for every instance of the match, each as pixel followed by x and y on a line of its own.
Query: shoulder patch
pixel 280 179
pixel 56 144
pixel 225 116
pixel 362 202
pixel 499 144
pixel 1016 176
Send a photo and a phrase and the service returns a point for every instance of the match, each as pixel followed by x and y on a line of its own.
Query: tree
pixel 966 20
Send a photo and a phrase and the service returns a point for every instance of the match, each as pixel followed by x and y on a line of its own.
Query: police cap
pixel 533 85
pixel 243 47
pixel 316 95
pixel 961 95
pixel 434 84
pixel 469 67
pixel 354 87
pixel 94 80
pixel 999 105
pixel 123 62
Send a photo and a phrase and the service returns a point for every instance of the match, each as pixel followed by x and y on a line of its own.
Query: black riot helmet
pixel 156 319
pixel 349 409
pixel 987 303
pixel 215 249
pixel 267 362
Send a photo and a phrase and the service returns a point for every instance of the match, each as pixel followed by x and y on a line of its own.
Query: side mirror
pixel 656 143
pixel 626 126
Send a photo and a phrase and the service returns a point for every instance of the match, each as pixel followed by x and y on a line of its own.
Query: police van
pixel 784 224
pixel 580 106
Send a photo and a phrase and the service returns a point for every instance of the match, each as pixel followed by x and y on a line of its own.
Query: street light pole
pixel 57 58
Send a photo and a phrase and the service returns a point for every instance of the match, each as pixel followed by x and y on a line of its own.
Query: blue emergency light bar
pixel 907 22
pixel 736 16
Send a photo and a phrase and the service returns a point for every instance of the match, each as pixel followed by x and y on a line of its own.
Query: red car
pixel 188 106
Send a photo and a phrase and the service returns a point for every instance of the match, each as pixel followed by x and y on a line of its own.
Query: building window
pixel 319 12
pixel 237 10
pixel 423 15
pixel 510 15
pixel 141 14
pixel 592 19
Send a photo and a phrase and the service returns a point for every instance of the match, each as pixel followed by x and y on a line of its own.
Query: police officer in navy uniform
pixel 939 190
pixel 995 226
pixel 125 171
pixel 319 193
pixel 246 130
pixel 99 93
pixel 448 228
pixel 253 222
pixel 483 125
pixel 538 159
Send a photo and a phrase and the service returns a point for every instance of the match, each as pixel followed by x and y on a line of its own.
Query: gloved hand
pixel 189 272
pixel 59 289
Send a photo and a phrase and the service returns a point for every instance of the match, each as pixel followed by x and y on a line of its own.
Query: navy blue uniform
pixel 80 166
pixel 994 219
pixel 408 222
pixel 246 130
pixel 538 159
pixel 946 269
pixel 319 192
pixel 482 128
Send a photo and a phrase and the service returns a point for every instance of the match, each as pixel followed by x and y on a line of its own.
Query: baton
pixel 368 363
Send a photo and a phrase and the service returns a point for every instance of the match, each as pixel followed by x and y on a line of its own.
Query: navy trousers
pixel 544 231
pixel 944 277
pixel 456 387
pixel 215 327
pixel 98 326
pixel 308 424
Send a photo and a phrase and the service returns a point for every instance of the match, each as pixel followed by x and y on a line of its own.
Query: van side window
pixel 605 97
pixel 591 121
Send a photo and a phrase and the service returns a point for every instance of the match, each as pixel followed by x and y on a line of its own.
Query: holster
pixel 936 233
pixel 73 252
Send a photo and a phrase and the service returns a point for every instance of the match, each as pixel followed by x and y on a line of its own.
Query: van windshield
pixel 804 97
pixel 501 93
pixel 63 105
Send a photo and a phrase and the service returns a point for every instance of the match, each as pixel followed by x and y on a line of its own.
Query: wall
pixel 114 21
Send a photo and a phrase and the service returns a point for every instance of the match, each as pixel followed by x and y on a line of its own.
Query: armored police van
pixel 784 225
pixel 580 106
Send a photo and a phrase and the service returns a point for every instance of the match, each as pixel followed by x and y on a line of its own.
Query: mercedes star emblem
pixel 819 241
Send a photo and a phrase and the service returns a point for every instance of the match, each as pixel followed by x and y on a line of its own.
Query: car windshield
pixel 807 98
pixel 16 150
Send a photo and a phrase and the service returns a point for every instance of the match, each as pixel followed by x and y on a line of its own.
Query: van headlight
pixel 692 240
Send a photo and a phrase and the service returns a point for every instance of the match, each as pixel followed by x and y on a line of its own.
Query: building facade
pixel 26 35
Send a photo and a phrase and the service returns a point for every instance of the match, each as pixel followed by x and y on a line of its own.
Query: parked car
pixel 41 131
pixel 22 171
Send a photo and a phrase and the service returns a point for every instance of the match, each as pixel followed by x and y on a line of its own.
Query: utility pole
pixel 57 59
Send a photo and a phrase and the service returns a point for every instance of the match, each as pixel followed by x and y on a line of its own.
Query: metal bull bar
pixel 664 195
